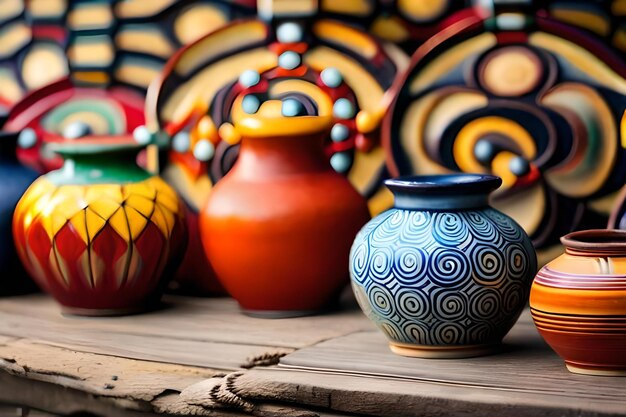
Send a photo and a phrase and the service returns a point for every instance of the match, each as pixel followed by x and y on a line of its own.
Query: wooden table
pixel 202 357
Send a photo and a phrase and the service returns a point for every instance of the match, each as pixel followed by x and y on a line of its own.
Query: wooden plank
pixel 390 397
pixel 89 337
pixel 200 319
pixel 97 374
pixel 58 400
pixel 67 382
pixel 210 333
pixel 63 381
pixel 527 368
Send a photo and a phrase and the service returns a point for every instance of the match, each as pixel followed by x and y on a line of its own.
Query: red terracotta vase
pixel 278 227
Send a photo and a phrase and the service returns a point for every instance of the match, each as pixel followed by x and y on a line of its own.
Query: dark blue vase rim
pixel 445 184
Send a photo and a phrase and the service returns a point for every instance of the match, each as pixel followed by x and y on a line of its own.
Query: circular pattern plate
pixel 192 101
pixel 100 42
pixel 526 98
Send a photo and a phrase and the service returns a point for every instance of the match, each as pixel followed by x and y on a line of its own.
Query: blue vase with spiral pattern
pixel 442 273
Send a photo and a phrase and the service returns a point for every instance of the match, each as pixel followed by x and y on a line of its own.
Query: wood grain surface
pixel 202 357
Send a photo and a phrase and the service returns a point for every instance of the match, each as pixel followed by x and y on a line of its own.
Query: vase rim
pixel 594 241
pixel 445 184
pixel 96 145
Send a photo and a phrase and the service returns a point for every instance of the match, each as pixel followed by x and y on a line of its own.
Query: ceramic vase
pixel 14 181
pixel 442 274
pixel 277 228
pixel 578 302
pixel 100 233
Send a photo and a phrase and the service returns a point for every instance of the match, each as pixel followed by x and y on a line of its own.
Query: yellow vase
pixel 99 234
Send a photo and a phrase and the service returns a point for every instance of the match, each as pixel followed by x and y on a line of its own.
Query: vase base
pixel 443 352
pixel 280 314
pixel 103 312
pixel 577 369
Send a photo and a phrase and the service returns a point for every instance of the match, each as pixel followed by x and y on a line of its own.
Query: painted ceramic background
pixel 99 42
pixel 192 100
pixel 410 23
pixel 527 98
pixel 64 110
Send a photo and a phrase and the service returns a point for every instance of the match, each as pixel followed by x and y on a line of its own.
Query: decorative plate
pixel 192 100
pixel 537 102
pixel 61 111
pixel 99 42
pixel 407 23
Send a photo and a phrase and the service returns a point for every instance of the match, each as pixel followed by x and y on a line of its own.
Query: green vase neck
pixel 115 165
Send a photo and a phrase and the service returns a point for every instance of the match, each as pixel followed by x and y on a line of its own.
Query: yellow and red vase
pixel 100 234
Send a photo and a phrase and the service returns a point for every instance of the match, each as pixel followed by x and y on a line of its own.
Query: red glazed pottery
pixel 100 234
pixel 277 228
pixel 578 302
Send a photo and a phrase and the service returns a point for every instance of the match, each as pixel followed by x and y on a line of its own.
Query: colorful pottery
pixel 14 180
pixel 578 302
pixel 277 228
pixel 192 103
pixel 100 234
pixel 442 274
pixel 524 97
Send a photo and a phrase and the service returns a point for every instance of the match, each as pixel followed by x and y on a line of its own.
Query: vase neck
pixel 443 192
pixel 98 168
pixel 277 156
pixel 409 201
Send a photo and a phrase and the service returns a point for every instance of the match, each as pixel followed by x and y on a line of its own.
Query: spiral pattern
pixel 485 303
pixel 387 230
pixel 423 285
pixel 409 265
pixel 506 226
pixel 416 227
pixel 380 263
pixel 449 304
pixel 381 300
pixel 513 295
pixel 449 267
pixel 515 257
pixel 481 228
pixel 489 265
pixel 485 332
pixel 390 330
pixel 415 332
pixel 359 255
pixel 413 304
pixel 449 229
pixel 448 333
